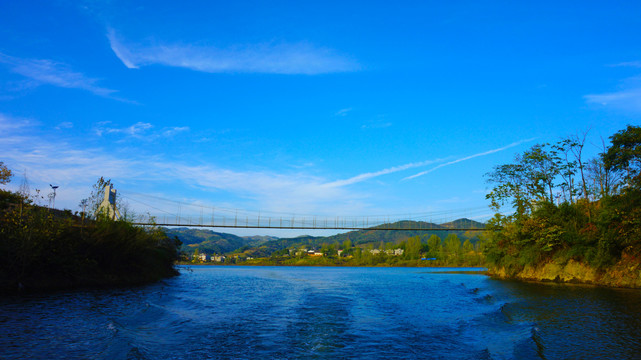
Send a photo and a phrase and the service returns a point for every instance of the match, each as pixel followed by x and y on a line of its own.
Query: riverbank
pixel 625 274
pixel 379 261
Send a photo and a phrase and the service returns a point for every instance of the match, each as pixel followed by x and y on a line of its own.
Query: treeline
pixel 414 251
pixel 46 249
pixel 566 207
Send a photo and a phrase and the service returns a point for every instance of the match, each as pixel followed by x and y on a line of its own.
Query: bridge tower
pixel 108 205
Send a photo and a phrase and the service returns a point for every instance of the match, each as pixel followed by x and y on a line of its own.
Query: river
pixel 235 312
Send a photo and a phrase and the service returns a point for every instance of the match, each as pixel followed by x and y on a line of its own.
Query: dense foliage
pixel 426 250
pixel 566 207
pixel 43 248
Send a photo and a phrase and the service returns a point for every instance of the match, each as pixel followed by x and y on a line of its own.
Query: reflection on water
pixel 323 313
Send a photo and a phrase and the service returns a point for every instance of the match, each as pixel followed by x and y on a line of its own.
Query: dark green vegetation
pixel 570 214
pixel 43 249
pixel 366 247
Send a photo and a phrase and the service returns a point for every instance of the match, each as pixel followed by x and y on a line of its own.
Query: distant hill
pixel 210 242
pixel 375 237
pixel 463 224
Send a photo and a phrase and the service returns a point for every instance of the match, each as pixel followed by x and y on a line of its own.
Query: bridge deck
pixel 304 227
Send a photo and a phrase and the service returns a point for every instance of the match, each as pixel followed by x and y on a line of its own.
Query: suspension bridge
pixel 166 212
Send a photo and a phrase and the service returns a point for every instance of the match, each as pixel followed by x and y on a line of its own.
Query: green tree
pixel 510 187
pixel 5 174
pixel 413 248
pixel 467 246
pixel 328 250
pixel 542 166
pixel 347 245
pixel 452 245
pixel 625 155
pixel 434 245
pixel 567 167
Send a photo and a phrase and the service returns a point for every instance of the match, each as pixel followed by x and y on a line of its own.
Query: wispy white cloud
pixel 74 167
pixel 282 58
pixel 343 112
pixel 376 125
pixel 13 124
pixel 169 132
pixel 626 99
pixel 43 71
pixel 140 130
pixel 55 159
pixel 629 99
pixel 467 158
pixel 380 122
pixel 370 175
pixel 64 125
pixel 628 64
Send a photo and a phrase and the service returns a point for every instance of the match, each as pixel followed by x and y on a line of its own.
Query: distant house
pixel 395 252
pixel 315 253
pixel 203 257
pixel 218 258
pixel 339 252
pixel 375 251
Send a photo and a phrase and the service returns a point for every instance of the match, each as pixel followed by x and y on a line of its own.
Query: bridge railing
pixel 311 223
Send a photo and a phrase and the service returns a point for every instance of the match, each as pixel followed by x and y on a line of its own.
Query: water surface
pixel 325 313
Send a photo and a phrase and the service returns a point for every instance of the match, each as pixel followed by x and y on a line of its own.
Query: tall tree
pixel 434 245
pixel 452 245
pixel 510 187
pixel 5 174
pixel 542 166
pixel 577 150
pixel 567 168
pixel 625 155
pixel 413 247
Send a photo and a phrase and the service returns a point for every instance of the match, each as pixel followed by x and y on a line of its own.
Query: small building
pixel 203 257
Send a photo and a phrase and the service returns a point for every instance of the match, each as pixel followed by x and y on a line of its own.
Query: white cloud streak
pixel 140 130
pixel 343 112
pixel 628 64
pixel 370 175
pixel 626 99
pixel 466 158
pixel 298 58
pixel 43 71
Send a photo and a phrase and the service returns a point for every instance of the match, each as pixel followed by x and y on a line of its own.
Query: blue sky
pixel 309 108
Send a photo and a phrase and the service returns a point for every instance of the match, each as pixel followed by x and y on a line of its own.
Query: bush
pixel 41 251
